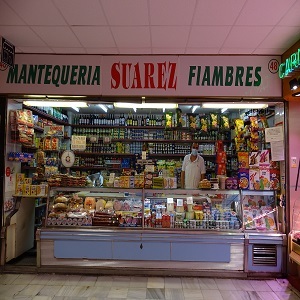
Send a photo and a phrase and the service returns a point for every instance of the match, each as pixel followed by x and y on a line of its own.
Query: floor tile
pixel 275 286
pixel 104 281
pixel 174 294
pixel 155 293
pixel 242 285
pixel 156 282
pixel 225 284
pixel 42 298
pixel 211 294
pixel 287 295
pixel 98 291
pixel 24 279
pixel 87 281
pixel 121 281
pixel 57 280
pixel 235 295
pixel 207 284
pixel 72 279
pixel 8 290
pixel 260 286
pixel 49 290
pixel 139 282
pixel 8 278
pixel 192 293
pixel 137 293
pixel 118 293
pixel 71 291
pixel 173 283
pixel 190 283
pixel 30 290
pixel 267 295
pixel 41 279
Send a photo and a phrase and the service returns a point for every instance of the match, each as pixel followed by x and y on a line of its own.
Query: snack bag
pixel 221 157
pixel 214 121
pixel 225 122
pixel 203 124
pixel 168 119
pixel 192 121
pixel 221 169
pixel 253 124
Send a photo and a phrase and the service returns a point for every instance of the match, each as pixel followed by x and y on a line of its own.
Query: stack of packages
pixel 256 170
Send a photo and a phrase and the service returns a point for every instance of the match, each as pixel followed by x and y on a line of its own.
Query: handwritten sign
pixel 274 134
pixel 78 142
pixel 54 130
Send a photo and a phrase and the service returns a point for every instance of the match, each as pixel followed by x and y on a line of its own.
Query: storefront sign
pixel 290 65
pixel 181 76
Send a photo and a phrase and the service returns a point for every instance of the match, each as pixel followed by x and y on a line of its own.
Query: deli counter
pixel 152 231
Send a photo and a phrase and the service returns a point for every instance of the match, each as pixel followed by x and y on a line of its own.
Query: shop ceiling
pixel 151 26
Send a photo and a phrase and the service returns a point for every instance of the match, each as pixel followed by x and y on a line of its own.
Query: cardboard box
pixel 42 190
pixel 254 179
pixel 27 180
pixel 264 176
pixel 20 177
pixel 27 189
pixel 19 189
pixel 33 190
pixel 243 179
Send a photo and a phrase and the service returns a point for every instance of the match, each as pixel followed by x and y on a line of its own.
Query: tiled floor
pixel 73 287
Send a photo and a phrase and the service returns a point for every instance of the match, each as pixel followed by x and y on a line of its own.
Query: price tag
pixel 189 200
pixel 169 200
pixel 179 202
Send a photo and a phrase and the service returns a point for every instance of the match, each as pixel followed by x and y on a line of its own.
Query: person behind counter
pixel 193 169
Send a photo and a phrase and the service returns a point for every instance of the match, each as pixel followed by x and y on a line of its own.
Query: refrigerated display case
pixel 145 231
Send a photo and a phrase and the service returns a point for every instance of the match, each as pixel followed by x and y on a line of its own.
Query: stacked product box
pixel 24 187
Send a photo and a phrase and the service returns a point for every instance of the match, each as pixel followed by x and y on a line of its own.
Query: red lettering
pixel 172 76
pixel 136 82
pixel 161 81
pixel 149 72
pixel 115 75
pixel 124 77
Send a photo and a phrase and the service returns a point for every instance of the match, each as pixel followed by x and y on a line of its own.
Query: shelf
pixel 49 117
pixel 38 128
pixel 95 168
pixel 41 205
pixel 102 154
pixel 117 126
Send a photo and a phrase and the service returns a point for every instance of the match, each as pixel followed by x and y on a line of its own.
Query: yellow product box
pixel 26 189
pixel 158 182
pixel 42 190
pixel 172 183
pixel 20 177
pixel 27 180
pixel 138 181
pixel 19 189
pixel 124 182
pixel 33 190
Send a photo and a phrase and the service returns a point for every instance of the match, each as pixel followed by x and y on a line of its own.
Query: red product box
pixel 243 179
pixel 221 169
pixel 274 179
pixel 221 157
pixel 264 157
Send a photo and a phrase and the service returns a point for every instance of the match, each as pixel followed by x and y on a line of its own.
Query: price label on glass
pixel 189 200
pixel 169 200
pixel 179 202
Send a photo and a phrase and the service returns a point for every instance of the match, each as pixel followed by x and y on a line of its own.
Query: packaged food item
pixel 221 169
pixel 225 122
pixel 264 177
pixel 214 121
pixel 192 121
pixel 264 158
pixel 33 190
pixel 221 157
pixel 254 179
pixel 203 123
pixel 243 160
pixel 254 158
pixel 274 179
pixel 231 183
pixel 243 175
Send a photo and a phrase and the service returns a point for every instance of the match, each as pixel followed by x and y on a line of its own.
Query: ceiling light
pixel 294 84
pixel 234 105
pixel 56 103
pixel 145 105
pixel 103 107
pixel 75 108
pixel 296 94
pixel 194 108
pixel 223 109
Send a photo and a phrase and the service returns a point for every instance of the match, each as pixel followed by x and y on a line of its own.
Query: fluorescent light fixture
pixel 223 109
pixel 103 107
pixel 75 108
pixel 61 97
pixel 56 103
pixel 194 108
pixel 134 109
pixel 145 105
pixel 234 105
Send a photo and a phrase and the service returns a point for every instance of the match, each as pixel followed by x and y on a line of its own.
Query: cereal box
pixel 254 179
pixel 20 178
pixel 243 160
pixel 264 157
pixel 274 179
pixel 243 179
pixel 41 190
pixel 254 158
pixel 33 190
pixel 264 177
pixel 27 180
pixel 26 189
pixel 19 189
pixel 249 221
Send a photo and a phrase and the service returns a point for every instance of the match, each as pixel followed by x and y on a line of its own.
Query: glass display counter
pixel 153 229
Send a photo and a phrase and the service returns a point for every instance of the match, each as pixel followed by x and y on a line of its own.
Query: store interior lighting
pixel 235 105
pixel 195 108
pixel 294 84
pixel 145 105
pixel 56 103
pixel 103 107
